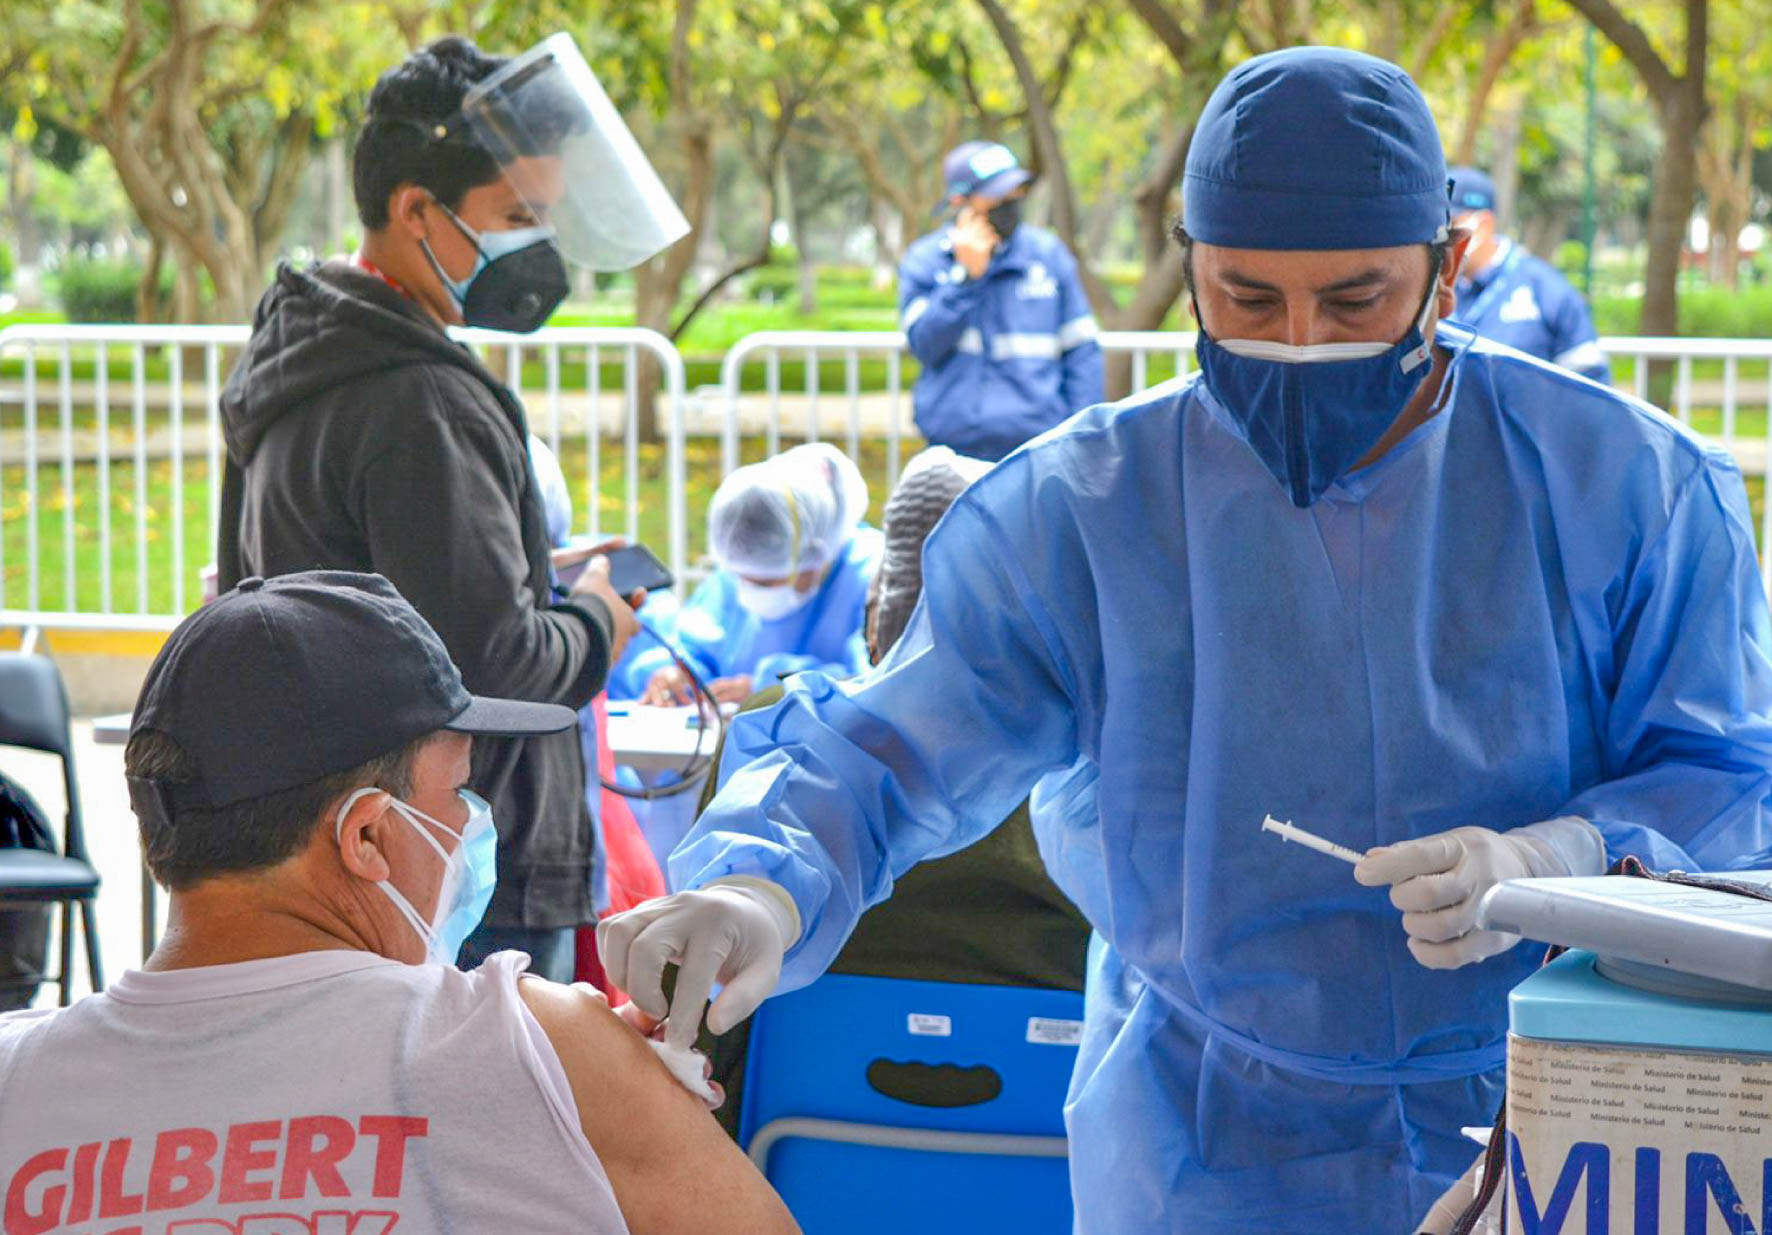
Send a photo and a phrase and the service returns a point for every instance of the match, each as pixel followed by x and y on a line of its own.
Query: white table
pixel 651 739
pixel 111 730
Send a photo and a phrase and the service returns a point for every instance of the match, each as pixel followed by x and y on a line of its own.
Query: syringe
pixel 1287 832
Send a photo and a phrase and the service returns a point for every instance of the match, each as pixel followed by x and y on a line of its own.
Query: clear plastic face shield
pixel 566 151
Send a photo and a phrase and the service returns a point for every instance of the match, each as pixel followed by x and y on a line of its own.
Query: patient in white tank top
pixel 297 1057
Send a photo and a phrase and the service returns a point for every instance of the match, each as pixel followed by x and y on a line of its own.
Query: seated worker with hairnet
pixel 300 1053
pixel 795 562
pixel 1468 614
pixel 989 914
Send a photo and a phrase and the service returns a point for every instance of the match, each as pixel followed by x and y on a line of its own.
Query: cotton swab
pixel 1289 833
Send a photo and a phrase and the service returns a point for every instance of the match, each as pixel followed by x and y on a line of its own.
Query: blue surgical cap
pixel 1315 148
pixel 1471 190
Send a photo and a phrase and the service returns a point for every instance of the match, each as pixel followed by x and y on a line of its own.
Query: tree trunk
pixel 655 295
pixel 1716 221
pixel 1154 202
pixel 1680 109
pixel 1545 230
pixel 1670 210
pixel 341 213
pixel 21 192
pixel 1520 22
pixel 1725 174
pixel 797 216
pixel 147 291
pixel 1505 159
pixel 186 295
pixel 1042 129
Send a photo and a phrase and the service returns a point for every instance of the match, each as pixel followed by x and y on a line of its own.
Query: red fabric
pixel 364 264
pixel 634 876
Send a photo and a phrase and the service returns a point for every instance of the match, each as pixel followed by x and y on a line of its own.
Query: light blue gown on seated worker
pixel 1544 601
pixel 721 638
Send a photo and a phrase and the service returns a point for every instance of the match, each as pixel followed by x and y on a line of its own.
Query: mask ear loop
pixel 394 894
pixel 456 289
pixel 1413 359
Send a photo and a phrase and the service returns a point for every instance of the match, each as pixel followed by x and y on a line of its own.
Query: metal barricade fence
pixel 1720 387
pixel 872 402
pixel 111 453
pixel 110 437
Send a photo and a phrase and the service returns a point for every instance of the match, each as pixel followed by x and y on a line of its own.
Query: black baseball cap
pixel 283 681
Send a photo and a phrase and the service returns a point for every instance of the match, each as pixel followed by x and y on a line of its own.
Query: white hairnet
pixel 787 514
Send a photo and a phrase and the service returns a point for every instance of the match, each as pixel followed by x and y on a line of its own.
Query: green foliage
pixel 772 283
pixel 104 291
pixel 6 265
pixel 1707 312
pixel 1571 260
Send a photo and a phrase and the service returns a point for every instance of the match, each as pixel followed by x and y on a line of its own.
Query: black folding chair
pixel 34 715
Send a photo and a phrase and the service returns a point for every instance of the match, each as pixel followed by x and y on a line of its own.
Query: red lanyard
pixel 364 264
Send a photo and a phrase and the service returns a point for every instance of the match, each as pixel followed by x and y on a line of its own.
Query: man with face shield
pixel 299 1052
pixel 994 312
pixel 361 437
pixel 790 593
pixel 1464 613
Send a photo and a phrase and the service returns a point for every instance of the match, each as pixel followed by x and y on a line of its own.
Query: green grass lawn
pixel 142 552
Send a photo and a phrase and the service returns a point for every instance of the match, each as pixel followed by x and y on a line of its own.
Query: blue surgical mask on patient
pixel 1312 412
pixel 470 872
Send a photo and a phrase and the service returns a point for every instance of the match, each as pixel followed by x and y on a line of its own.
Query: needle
pixel 1287 832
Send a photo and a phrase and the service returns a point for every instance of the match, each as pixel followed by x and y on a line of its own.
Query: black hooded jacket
pixel 360 437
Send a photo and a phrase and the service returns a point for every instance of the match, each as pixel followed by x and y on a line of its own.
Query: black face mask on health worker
pixel 1005 217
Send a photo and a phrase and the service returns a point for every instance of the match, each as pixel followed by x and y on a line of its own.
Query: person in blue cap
pixel 1514 297
pixel 995 314
pixel 1467 614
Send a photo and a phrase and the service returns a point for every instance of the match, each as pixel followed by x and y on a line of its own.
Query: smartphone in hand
pixel 633 567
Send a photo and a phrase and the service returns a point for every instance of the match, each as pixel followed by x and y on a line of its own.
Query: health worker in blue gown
pixel 790 594
pixel 1470 615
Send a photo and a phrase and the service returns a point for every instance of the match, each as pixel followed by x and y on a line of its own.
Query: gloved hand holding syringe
pixel 1438 881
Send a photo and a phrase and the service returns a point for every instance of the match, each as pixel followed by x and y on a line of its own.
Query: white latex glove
pixel 734 932
pixel 1438 881
pixel 1454 1201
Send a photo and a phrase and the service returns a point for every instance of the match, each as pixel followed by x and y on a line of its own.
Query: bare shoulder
pixel 669 1162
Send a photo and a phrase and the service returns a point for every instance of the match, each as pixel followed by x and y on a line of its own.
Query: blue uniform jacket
pixel 1524 302
pixel 1005 356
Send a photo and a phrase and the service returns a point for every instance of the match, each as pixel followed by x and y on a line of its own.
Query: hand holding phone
pixel 635 567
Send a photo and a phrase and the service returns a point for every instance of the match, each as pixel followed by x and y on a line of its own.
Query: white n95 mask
pixel 772 603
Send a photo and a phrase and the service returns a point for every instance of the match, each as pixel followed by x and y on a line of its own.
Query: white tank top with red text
pixel 329 1093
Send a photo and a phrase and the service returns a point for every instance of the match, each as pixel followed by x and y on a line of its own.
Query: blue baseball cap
pixel 1471 190
pixel 1315 148
pixel 986 169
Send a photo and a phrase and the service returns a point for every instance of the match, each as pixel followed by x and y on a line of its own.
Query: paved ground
pixel 110 842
